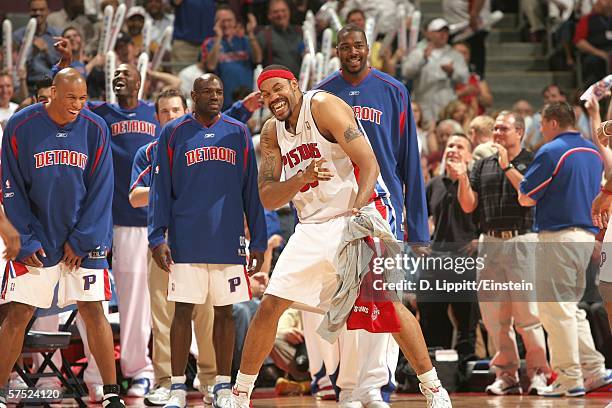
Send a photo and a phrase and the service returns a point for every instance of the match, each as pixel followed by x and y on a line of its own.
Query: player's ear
pixel 53 92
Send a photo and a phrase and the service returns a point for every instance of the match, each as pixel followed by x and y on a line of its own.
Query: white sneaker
pixel 346 400
pixel 563 388
pixel 157 397
pixel 140 387
pixel 96 393
pixel 593 382
pixel 436 395
pixel 504 385
pixel 538 382
pixel 209 397
pixel 222 395
pixel 178 396
pixel 240 399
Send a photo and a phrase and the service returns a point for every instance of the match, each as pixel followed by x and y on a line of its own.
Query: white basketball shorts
pixel 605 271
pixel 36 286
pixel 193 283
pixel 306 269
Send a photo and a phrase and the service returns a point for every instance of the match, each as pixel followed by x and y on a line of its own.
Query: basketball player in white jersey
pixel 315 138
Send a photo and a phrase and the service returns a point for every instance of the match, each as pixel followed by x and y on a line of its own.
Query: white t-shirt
pixel 6 113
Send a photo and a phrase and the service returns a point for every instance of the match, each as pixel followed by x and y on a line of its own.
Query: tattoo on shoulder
pixel 352 133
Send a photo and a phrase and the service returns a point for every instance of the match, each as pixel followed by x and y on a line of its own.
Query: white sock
pixel 178 379
pixel 223 379
pixel 245 382
pixel 428 377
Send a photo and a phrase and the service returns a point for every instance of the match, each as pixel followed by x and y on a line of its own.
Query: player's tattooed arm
pixel 337 119
pixel 351 133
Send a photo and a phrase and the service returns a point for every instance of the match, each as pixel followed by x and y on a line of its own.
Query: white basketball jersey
pixel 322 200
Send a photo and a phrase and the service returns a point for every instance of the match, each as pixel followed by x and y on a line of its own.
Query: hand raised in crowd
pixel 62 46
pixel 251 24
pixel 456 169
pixel 427 51
pixel 70 259
pixel 448 68
pixel 218 30
pixel 600 210
pixel 163 257
pixel 502 155
pixel 11 238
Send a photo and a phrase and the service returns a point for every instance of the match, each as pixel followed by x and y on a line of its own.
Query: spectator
pixel 533 137
pixel 459 112
pixel 42 93
pixel 189 74
pixel 43 54
pixel 562 183
pixel 442 132
pixel 230 56
pixel 382 59
pixel 91 47
pixel 436 68
pixel 73 35
pixel 384 11
pixel 525 111
pixel 7 108
pixel 134 22
pixel 506 246
pixel 125 49
pixel 476 12
pixel 480 132
pixel 301 7
pixel 160 20
pixel 534 11
pixel 72 14
pixel 452 237
pixel 194 20
pixel 475 92
pixel 423 129
pixel 592 38
pixel 280 42
pixel 289 354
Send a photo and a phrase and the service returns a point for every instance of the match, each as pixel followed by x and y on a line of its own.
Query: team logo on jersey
pixel 209 135
pixel 60 158
pixel 301 153
pixel 368 114
pixel 212 153
pixel 133 126
pixel 98 253
pixel 375 312
pixel 61 134
pixel 353 93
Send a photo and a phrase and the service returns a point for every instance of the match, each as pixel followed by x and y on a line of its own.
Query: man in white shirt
pixel 7 108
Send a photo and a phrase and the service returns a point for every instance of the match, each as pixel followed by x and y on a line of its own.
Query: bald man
pixel 133 124
pixel 205 184
pixel 56 193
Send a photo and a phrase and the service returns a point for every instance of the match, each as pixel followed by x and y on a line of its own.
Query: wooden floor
pixel 600 400
pixel 459 401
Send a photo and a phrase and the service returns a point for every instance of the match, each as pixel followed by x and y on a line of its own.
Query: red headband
pixel 274 73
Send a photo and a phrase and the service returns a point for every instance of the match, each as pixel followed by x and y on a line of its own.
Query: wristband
pixel 510 167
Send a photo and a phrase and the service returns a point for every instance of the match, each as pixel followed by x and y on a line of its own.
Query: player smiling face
pixel 353 51
pixel 280 96
pixel 68 96
pixel 126 81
